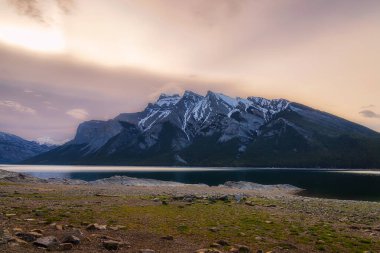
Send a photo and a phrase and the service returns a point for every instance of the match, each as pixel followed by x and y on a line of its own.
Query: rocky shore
pixel 126 214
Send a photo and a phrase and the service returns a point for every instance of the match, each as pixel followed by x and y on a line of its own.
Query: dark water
pixel 340 184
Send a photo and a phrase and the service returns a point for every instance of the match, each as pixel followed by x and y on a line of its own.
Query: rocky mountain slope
pixel 217 130
pixel 14 149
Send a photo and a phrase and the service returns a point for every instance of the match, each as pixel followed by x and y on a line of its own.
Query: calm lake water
pixel 340 184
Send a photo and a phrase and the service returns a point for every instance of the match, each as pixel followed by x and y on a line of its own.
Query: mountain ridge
pixel 16 149
pixel 215 130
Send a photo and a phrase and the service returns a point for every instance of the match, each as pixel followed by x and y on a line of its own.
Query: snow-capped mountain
pixel 215 129
pixel 15 149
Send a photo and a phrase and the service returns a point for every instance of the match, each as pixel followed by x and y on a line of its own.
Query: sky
pixel 66 61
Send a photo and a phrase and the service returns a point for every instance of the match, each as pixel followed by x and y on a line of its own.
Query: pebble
pixel 59 227
pixel 65 246
pixel 208 251
pixel 146 251
pixel 213 229
pixel 96 226
pixel 111 244
pixel 168 238
pixel 223 243
pixel 71 239
pixel 28 236
pixel 5 236
pixel 46 242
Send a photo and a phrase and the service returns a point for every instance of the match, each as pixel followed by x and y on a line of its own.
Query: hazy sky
pixel 66 61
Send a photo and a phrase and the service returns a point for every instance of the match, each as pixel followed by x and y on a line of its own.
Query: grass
pixel 258 226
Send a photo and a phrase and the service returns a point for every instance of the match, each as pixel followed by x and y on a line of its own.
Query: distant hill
pixel 218 130
pixel 14 149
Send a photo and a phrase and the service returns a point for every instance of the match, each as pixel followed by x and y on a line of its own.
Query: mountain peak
pixel 189 93
pixel 167 100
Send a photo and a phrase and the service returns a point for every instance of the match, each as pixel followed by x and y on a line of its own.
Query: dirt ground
pixel 184 219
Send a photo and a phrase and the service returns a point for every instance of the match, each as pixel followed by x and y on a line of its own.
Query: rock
pixel 224 198
pixel 243 249
pixel 71 239
pixel 258 238
pixel 208 251
pixel 156 199
pixel 215 245
pixel 17 229
pixel 111 244
pixel 249 203
pixel 58 227
pixel 65 246
pixel 146 251
pixel 28 236
pixel 168 237
pixel 223 243
pixel 46 242
pixel 37 231
pixel 96 226
pixel 5 236
pixel 268 222
pixel 9 215
pixel 117 227
pixel 213 229
pixel 165 203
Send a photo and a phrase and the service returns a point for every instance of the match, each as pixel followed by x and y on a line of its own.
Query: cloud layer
pixel 108 57
pixel 370 114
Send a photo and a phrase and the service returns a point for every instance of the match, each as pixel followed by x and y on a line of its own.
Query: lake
pixel 326 183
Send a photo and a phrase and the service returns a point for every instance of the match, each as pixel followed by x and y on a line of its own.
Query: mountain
pixel 218 130
pixel 14 149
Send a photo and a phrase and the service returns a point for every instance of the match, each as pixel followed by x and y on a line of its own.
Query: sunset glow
pixel 100 56
pixel 47 41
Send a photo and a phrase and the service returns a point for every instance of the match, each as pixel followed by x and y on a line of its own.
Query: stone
pixel 165 203
pixel 59 227
pixel 208 251
pixel 37 231
pixel 5 236
pixel 46 242
pixel 213 229
pixel 146 251
pixel 111 244
pixel 223 243
pixel 28 236
pixel 168 238
pixel 71 239
pixel 65 246
pixel 96 226
pixel 215 245
pixel 9 215
pixel 117 227
pixel 243 249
